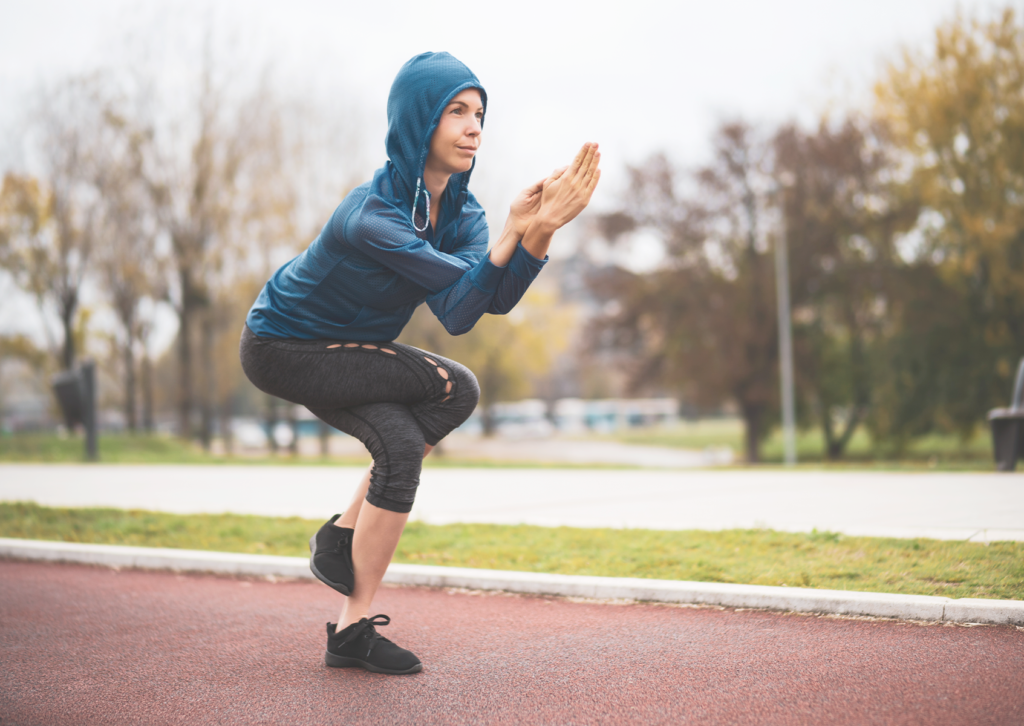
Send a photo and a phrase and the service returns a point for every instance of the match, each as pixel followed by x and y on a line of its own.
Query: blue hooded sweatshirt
pixel 377 258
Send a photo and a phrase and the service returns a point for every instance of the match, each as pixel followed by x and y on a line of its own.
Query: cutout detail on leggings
pixel 388 350
pixel 429 361
pixel 336 345
pixel 351 345
pixel 370 347
pixel 442 372
pixel 448 387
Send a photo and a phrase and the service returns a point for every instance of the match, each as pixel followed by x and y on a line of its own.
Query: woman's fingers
pixel 589 164
pixel 567 191
pixel 590 149
pixel 580 156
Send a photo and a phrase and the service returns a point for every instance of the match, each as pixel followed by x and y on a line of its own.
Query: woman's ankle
pixel 346 619
pixel 346 521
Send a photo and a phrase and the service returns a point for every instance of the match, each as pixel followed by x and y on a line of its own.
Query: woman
pixel 321 331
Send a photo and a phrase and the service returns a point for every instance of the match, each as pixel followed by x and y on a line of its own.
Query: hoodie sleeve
pixel 463 285
pixel 461 305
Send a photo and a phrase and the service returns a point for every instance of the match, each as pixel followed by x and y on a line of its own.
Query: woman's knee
pixel 468 387
pixel 397 462
pixel 398 442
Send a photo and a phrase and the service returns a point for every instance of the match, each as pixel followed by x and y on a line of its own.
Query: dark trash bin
pixel 1007 437
pixel 67 386
pixel 1008 427
pixel 76 394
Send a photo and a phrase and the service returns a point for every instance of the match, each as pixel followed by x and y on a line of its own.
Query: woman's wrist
pixel 538 237
pixel 541 224
pixel 518 225
pixel 502 250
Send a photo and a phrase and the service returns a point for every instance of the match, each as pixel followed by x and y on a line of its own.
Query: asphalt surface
pixel 979 506
pixel 84 645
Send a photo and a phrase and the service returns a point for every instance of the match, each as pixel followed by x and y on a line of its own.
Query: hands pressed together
pixel 542 208
pixel 553 202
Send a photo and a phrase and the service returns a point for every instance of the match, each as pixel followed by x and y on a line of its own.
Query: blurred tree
pixel 923 364
pixel 48 222
pixel 957 114
pixel 21 363
pixel 264 230
pixel 130 268
pixel 704 324
pixel 193 196
pixel 842 214
pixel 205 184
pixel 22 348
pixel 24 226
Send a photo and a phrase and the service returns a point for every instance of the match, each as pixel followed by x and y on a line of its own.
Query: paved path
pixel 83 645
pixel 552 450
pixel 575 451
pixel 978 506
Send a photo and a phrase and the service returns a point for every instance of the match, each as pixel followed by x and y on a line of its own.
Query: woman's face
pixel 458 134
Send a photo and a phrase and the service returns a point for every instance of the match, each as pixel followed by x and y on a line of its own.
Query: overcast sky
pixel 635 75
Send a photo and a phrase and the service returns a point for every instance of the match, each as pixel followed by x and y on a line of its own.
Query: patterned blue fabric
pixel 370 267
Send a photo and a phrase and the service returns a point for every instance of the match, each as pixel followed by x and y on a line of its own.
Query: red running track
pixel 82 645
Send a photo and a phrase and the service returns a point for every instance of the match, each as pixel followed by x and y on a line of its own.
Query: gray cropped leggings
pixel 392 397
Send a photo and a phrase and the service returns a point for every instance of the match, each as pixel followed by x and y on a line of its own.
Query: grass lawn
pixel 157 449
pixel 935 451
pixel 759 557
pixel 140 449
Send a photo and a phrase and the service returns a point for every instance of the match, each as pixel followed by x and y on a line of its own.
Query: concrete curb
pixel 795 599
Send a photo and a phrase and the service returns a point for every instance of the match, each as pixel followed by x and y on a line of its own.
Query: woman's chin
pixel 462 163
pixel 452 166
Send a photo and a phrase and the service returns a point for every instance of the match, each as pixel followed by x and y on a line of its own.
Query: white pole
pixel 785 345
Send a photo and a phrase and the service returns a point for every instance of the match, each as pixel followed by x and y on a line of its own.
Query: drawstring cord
pixel 415 199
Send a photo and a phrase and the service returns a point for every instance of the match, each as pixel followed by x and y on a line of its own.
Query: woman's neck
pixel 435 182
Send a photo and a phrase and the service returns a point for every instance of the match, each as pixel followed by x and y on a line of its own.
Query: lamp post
pixel 87 371
pixel 785 341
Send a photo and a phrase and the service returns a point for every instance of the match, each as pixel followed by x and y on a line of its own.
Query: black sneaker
pixel 330 556
pixel 361 646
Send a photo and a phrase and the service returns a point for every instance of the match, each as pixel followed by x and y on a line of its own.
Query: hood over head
pixel 421 90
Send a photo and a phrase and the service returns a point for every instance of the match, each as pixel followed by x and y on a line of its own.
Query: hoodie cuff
pixel 525 265
pixel 487 275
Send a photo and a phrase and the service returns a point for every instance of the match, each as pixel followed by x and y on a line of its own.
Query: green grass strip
pixel 757 557
pixel 156 449
pixel 938 453
pixel 943 452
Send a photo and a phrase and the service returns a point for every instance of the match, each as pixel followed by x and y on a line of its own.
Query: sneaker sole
pixel 338 661
pixel 340 587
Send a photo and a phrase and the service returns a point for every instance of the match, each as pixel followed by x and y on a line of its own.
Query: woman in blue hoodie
pixel 321 333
